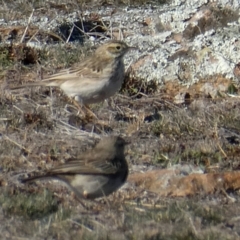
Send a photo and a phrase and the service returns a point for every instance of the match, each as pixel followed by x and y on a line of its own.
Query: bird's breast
pixel 110 83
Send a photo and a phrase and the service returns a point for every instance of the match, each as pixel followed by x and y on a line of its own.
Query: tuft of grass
pixel 151 223
pixel 63 56
pixel 31 206
pixel 5 59
pixel 137 87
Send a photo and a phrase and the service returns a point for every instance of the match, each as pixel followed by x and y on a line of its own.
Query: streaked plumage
pixel 96 78
pixel 96 173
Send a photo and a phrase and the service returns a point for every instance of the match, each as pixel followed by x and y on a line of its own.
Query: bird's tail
pixel 45 82
pixel 25 86
pixel 31 179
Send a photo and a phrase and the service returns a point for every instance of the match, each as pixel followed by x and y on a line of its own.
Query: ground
pixel 41 128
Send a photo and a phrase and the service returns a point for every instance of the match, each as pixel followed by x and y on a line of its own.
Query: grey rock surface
pixel 182 40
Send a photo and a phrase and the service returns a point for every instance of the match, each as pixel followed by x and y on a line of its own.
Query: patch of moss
pixel 5 59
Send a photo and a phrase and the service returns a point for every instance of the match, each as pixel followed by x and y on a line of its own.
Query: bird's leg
pixel 91 206
pixel 79 107
pixel 89 113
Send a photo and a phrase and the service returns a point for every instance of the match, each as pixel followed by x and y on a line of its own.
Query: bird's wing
pixel 94 165
pixel 70 75
pixel 90 69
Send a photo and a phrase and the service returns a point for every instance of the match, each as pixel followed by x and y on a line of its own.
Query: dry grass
pixel 40 128
pixel 38 132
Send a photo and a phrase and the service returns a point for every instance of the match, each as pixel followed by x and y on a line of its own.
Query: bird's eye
pixel 118 47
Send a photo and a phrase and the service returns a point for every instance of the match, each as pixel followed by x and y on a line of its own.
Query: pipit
pixel 96 173
pixel 96 78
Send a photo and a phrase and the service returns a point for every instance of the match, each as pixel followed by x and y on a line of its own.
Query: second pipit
pixel 96 78
pixel 96 173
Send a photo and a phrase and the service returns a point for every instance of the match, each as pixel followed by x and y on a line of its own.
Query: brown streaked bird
pixel 96 173
pixel 96 78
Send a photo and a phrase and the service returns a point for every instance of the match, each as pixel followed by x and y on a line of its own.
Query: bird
pixel 96 173
pixel 93 80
